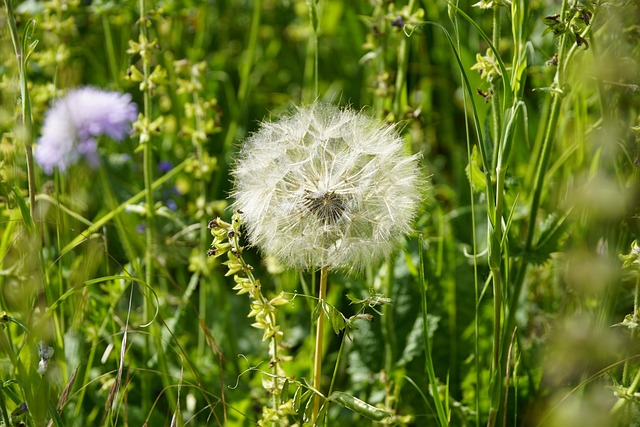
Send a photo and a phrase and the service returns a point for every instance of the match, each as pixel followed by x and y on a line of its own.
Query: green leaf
pixel 414 344
pixel 337 319
pixel 474 172
pixel 553 231
pixel 24 210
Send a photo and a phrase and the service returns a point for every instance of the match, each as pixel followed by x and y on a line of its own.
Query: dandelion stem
pixel 317 362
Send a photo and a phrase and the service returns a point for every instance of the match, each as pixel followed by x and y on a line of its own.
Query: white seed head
pixel 326 187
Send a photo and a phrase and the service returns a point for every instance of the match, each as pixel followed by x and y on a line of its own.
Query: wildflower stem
pixel 148 157
pixel 197 140
pixel 111 54
pixel 148 185
pixel 315 23
pixel 390 342
pixel 317 361
pixel 337 366
pixel 442 416
pixel 400 98
pixel 244 72
pixel 275 395
pixel 495 99
pixel 27 133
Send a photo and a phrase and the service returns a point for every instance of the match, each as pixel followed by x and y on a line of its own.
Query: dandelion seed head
pixel 73 123
pixel 326 187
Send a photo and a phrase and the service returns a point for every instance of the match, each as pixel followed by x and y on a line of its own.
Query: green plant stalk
pixel 538 182
pixel 389 333
pixel 476 323
pixel 111 55
pixel 315 25
pixel 440 408
pixel 246 64
pixel 275 362
pixel 337 365
pixel 317 359
pixel 202 190
pixel 496 109
pixel 400 98
pixel 147 155
pixel 379 102
pixel 497 237
pixel 147 161
pixel 390 341
pixel 495 261
pixel 27 124
pixel 3 409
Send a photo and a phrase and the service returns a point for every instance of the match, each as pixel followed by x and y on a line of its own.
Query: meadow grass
pixel 514 302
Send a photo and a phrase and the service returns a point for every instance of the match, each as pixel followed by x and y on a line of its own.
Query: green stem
pixel 3 409
pixel 379 102
pixel 389 333
pixel 27 124
pixel 433 384
pixel 197 141
pixel 390 341
pixel 337 365
pixel 496 109
pixel 147 155
pixel 495 262
pixel 275 371
pixel 246 65
pixel 315 24
pixel 111 55
pixel 317 360
pixel 400 100
pixel 147 160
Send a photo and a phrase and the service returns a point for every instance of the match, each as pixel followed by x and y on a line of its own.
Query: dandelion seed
pixel 324 187
pixel 73 123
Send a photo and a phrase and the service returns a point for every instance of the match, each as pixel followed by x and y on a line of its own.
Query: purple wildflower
pixel 172 205
pixel 72 124
pixel 165 166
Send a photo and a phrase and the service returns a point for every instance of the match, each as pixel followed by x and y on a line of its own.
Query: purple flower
pixel 165 166
pixel 73 123
pixel 172 205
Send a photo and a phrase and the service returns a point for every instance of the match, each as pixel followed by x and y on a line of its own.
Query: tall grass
pixel 514 302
